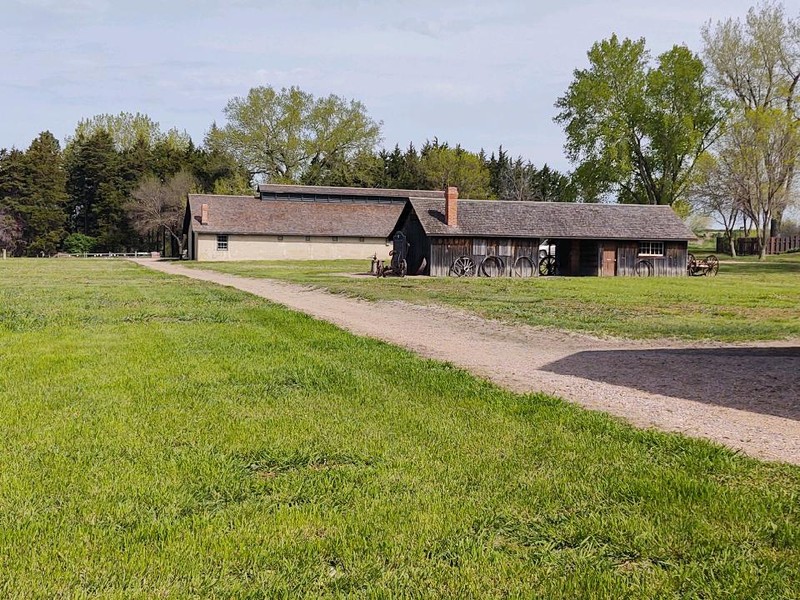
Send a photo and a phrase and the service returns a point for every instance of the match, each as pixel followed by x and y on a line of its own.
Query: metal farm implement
pixel 399 253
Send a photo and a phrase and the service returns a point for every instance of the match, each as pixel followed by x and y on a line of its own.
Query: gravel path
pixel 746 397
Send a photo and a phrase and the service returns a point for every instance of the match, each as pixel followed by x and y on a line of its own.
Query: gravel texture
pixel 746 397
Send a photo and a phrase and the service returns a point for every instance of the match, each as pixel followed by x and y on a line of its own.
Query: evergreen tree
pixel 98 191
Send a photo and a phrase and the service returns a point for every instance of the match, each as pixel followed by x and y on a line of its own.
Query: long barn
pixel 294 222
pixel 448 236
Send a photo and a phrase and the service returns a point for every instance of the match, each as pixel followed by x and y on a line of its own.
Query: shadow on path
pixel 762 380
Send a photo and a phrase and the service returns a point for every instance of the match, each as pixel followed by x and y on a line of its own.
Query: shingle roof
pixel 494 218
pixel 320 190
pixel 248 215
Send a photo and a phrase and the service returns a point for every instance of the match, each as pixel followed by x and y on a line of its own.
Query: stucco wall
pixel 269 247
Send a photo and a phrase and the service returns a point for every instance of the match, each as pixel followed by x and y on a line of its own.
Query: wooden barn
pixel 449 236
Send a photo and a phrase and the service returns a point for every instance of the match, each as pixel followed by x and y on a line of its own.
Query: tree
pixel 278 135
pixel 521 180
pixel 98 191
pixel 158 205
pixel 10 231
pixel 713 194
pixel 128 130
pixel 756 64
pixel 635 131
pixel 442 166
pixel 43 208
pixel 759 154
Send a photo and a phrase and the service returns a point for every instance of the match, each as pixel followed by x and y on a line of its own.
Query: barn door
pixel 609 259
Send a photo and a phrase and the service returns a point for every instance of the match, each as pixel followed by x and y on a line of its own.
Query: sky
pixel 478 73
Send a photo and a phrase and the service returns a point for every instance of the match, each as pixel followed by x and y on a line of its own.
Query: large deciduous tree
pixel 635 130
pixel 279 135
pixel 443 166
pixel 157 204
pixel 128 130
pixel 756 64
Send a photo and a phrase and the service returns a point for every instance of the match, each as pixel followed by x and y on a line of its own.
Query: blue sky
pixel 481 73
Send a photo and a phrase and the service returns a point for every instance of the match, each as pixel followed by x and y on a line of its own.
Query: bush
pixel 77 243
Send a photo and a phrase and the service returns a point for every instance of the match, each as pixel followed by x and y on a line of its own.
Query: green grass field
pixel 748 300
pixel 163 437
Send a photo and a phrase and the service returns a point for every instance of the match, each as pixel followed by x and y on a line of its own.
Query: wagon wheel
pixel 523 267
pixel 492 266
pixel 403 268
pixel 691 263
pixel 463 266
pixel 547 266
pixel 644 268
pixel 713 265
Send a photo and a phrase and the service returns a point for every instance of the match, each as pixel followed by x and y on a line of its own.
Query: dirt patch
pixel 744 396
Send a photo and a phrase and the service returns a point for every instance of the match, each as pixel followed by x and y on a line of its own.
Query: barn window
pixel 222 243
pixel 308 238
pixel 651 248
pixel 335 238
pixel 361 239
pixel 504 248
pixel 280 238
pixel 479 246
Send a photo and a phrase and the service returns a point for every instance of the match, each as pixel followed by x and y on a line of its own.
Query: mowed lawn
pixel 163 437
pixel 748 300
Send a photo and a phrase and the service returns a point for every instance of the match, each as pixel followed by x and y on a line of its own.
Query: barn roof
pixel 252 216
pixel 288 191
pixel 495 218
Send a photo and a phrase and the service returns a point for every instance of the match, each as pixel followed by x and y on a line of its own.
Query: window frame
pixel 651 248
pixel 223 242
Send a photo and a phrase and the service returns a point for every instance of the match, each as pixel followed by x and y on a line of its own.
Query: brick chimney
pixel 204 214
pixel 451 207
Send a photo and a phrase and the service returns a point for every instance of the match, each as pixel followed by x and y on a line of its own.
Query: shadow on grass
pixel 762 380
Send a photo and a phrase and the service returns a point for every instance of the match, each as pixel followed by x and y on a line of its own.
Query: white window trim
pixel 226 242
pixel 650 245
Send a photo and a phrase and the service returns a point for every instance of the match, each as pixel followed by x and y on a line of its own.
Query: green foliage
pixel 78 243
pixel 32 193
pixel 635 131
pixel 442 166
pixel 336 467
pixel 280 135
pixel 129 130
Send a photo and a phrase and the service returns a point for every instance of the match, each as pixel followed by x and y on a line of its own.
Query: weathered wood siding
pixel 672 264
pixel 445 250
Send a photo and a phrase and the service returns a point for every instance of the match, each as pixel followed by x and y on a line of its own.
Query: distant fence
pixel 110 255
pixel 749 245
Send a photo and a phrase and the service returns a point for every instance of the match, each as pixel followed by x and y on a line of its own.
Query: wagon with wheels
pixel 708 266
pixel 399 254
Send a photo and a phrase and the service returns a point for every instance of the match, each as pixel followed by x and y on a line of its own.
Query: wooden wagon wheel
pixel 644 268
pixel 547 266
pixel 523 267
pixel 492 266
pixel 463 266
pixel 691 263
pixel 713 265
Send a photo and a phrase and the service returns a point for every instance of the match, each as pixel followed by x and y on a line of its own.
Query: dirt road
pixel 746 397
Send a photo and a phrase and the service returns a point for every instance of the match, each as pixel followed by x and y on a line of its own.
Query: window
pixel 479 246
pixel 504 248
pixel 222 243
pixel 651 248
pixel 335 238
pixel 308 238
pixel 361 239
pixel 280 238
